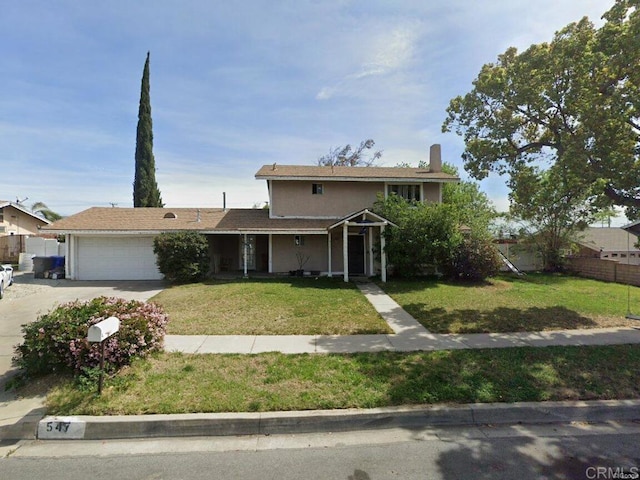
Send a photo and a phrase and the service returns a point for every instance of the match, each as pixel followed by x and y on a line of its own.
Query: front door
pixel 251 251
pixel 356 254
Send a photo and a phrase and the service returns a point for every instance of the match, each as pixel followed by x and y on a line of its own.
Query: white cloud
pixel 385 53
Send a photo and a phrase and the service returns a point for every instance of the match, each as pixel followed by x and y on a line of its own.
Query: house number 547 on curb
pixel 51 428
pixel 62 427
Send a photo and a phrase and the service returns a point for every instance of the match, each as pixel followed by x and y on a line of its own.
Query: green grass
pixel 507 303
pixel 180 383
pixel 293 306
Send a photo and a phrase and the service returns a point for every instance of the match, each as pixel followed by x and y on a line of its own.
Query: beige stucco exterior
pixel 432 192
pixel 285 251
pixel 296 199
pixel 16 222
pixel 338 199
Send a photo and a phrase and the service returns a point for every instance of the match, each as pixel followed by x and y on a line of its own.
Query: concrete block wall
pixel 607 270
pixel 628 274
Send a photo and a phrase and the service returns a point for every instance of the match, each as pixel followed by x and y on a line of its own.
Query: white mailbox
pixel 103 330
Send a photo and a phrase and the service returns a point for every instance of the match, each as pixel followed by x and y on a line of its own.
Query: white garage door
pixel 116 258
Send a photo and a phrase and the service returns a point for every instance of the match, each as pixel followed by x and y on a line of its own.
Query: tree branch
pixel 621 199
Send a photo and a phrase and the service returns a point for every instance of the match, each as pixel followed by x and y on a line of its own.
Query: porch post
pixel 370 233
pixel 69 251
pixel 383 255
pixel 244 254
pixel 329 272
pixel 270 253
pixel 345 251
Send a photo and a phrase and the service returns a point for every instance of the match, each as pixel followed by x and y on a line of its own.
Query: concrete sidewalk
pixel 409 335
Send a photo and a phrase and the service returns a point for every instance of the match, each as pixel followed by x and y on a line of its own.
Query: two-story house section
pixel 345 195
pixel 318 222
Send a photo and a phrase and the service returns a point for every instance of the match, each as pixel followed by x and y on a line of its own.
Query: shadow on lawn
pixel 509 375
pixel 498 320
pixel 325 283
pixel 407 285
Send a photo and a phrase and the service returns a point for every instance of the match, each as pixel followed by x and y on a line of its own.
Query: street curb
pixel 271 423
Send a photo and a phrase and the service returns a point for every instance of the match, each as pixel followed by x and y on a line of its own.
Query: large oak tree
pixel 572 103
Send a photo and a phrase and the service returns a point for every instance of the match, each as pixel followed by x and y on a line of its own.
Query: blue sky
pixel 235 85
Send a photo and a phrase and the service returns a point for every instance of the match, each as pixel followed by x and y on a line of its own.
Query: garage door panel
pixel 116 258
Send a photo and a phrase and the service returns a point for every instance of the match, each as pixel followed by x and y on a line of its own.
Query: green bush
pixel 182 257
pixel 426 235
pixel 474 259
pixel 57 340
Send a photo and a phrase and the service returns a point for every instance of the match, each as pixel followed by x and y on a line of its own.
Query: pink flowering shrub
pixel 57 340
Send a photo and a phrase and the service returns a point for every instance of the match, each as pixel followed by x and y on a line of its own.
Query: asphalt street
pixel 570 451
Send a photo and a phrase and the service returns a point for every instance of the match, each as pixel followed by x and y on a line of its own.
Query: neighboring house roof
pixel 5 203
pixel 607 239
pixel 633 227
pixel 350 174
pixel 154 220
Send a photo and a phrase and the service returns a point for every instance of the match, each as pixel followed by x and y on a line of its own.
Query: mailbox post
pixel 99 333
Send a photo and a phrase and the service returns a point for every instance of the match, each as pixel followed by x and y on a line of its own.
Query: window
pixel 316 189
pixel 298 240
pixel 408 192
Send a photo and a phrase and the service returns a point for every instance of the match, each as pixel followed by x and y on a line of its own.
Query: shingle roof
pixel 607 239
pixel 105 219
pixel 305 172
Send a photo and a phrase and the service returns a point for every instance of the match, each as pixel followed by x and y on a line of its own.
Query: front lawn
pixel 292 306
pixel 181 383
pixel 534 302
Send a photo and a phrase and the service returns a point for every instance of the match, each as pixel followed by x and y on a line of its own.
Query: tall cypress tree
pixel 145 188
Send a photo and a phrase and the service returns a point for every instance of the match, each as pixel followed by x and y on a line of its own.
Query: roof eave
pixel 358 179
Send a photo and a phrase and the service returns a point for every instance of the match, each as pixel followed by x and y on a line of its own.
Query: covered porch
pixel 352 246
pixel 362 245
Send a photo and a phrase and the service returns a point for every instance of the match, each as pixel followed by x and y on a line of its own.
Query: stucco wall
pixel 432 192
pixel 284 253
pixel 295 199
pixel 19 222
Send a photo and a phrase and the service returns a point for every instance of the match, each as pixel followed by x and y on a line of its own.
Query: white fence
pixel 523 258
pixel 39 247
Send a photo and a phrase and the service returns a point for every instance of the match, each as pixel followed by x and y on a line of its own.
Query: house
pixel 16 223
pixel 18 220
pixel 318 221
pixel 608 243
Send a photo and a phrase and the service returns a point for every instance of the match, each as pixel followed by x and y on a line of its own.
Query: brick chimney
pixel 435 158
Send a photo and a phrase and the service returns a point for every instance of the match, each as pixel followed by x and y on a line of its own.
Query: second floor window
pixel 408 192
pixel 316 189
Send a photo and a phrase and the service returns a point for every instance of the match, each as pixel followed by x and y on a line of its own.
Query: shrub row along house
pixel 318 220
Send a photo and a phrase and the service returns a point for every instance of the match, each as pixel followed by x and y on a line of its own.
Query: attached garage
pixel 115 258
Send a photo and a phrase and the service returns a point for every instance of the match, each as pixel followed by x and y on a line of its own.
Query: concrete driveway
pixel 28 297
